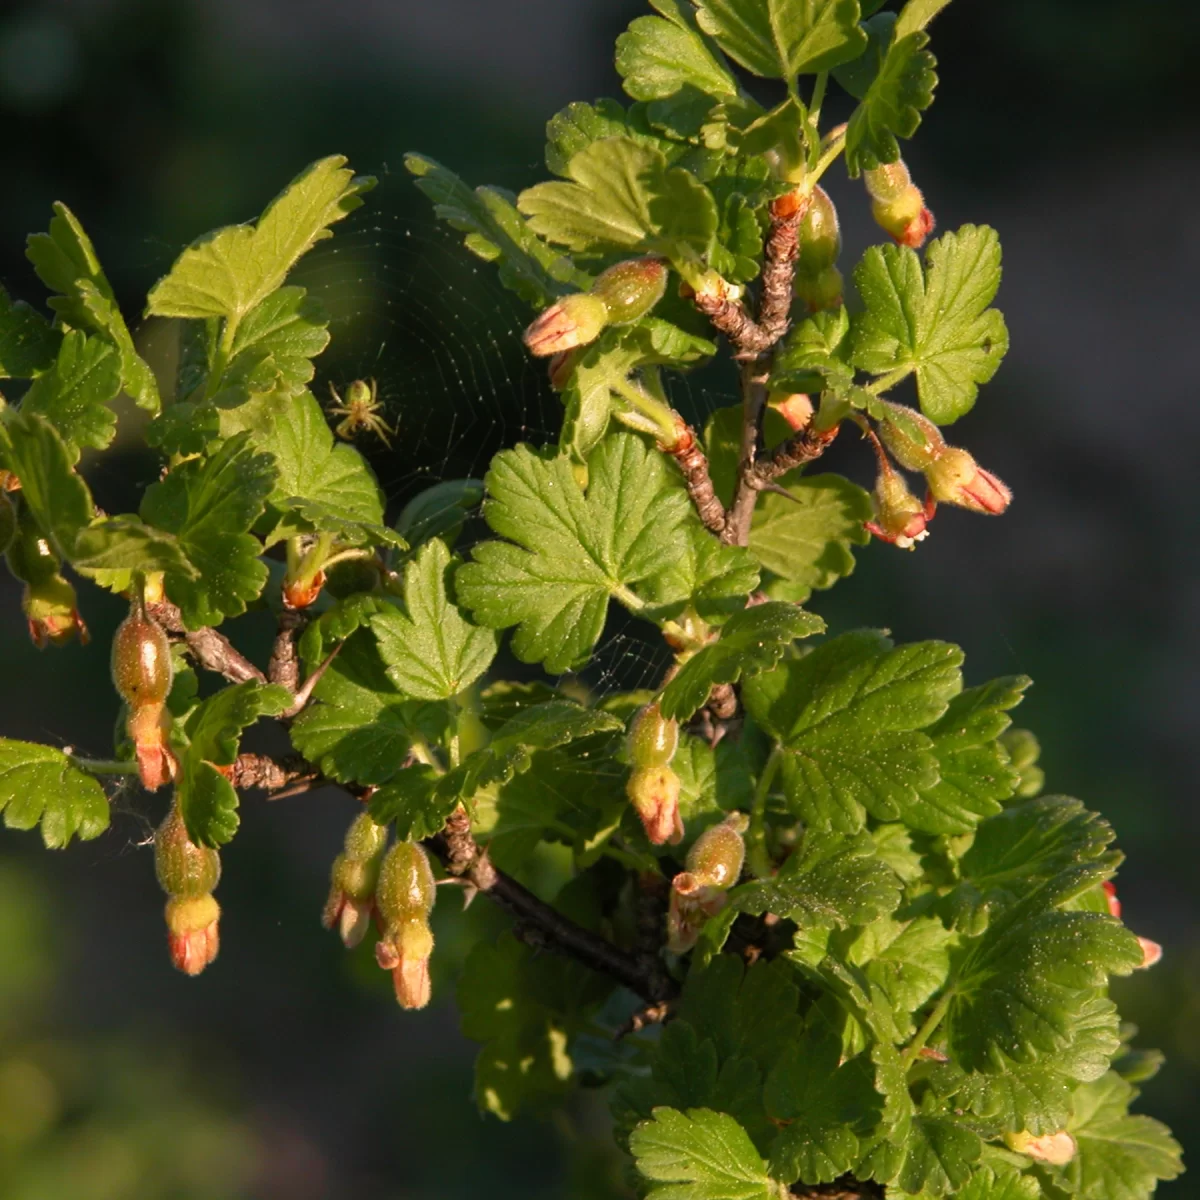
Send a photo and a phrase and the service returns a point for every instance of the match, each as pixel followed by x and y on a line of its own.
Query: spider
pixel 360 410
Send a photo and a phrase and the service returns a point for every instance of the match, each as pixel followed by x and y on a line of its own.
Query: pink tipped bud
pixel 193 932
pixel 914 440
pixel 654 793
pixel 574 321
pixel 900 518
pixel 404 895
pixel 52 614
pixel 560 369
pixel 955 478
pixel 405 951
pixel 796 409
pixel 631 289
pixel 1057 1149
pixel 1110 894
pixel 1152 953
pixel 354 879
pixel 653 738
pixel 897 204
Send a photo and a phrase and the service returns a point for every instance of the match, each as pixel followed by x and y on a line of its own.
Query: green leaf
pixel 908 960
pixel 27 343
pixel 711 578
pixel 1024 988
pixel 579 125
pixel 624 194
pixel 934 322
pixel 419 800
pixel 975 774
pixel 439 511
pixel 752 641
pixel 700 1155
pixel 987 1184
pixel 497 232
pixel 126 544
pixel 784 38
pixel 207 799
pixel 806 540
pixel 572 551
pixel 359 727
pixel 210 505
pixel 892 106
pixel 916 14
pixel 231 271
pixel 939 1153
pixel 831 880
pixel 57 497
pixel 1025 1096
pixel 321 485
pixel 66 263
pixel 1121 1156
pixel 847 717
pixel 39 785
pixel 657 58
pixel 74 394
pixel 432 652
pixel 814 354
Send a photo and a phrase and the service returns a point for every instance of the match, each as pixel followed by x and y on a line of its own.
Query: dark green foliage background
pixel 1067 126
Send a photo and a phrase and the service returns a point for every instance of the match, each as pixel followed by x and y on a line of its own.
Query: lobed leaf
pixel 659 57
pixel 28 344
pixel 39 785
pixel 75 393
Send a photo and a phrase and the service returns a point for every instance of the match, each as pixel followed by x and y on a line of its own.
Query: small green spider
pixel 360 410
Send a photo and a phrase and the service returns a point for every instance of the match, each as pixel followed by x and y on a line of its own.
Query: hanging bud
pixel 653 738
pixel 404 895
pixel 897 204
pixel 354 877
pixel 142 671
pixel 713 866
pixel 818 282
pixel 954 477
pixel 900 518
pixel 630 289
pixel 574 321
pixel 654 793
pixel 188 873
pixel 1057 1149
pixel 48 600
pixel 914 440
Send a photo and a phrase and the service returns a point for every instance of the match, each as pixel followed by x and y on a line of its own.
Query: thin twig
pixel 807 445
pixel 694 466
pixel 212 650
pixel 730 317
pixel 779 264
pixel 754 402
pixel 280 777
pixel 284 665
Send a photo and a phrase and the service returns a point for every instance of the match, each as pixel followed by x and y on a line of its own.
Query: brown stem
pixel 280 777
pixel 284 665
pixel 539 922
pixel 754 402
pixel 730 317
pixel 779 264
pixel 212 650
pixel 687 453
pixel 807 445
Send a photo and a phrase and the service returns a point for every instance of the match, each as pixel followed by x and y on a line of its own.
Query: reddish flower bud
pixel 300 593
pixel 574 321
pixel 900 518
pixel 653 738
pixel 654 793
pixel 560 368
pixel 796 409
pixel 955 478
pixel 914 440
pixel 193 932
pixel 897 204
pixel 713 865
pixel 1057 1149
pixel 1152 953
pixel 631 289
pixel 354 877
pixel 1110 894
pixel 404 895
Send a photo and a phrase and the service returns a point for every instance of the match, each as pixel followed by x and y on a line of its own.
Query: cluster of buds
pixel 1152 952
pixel 188 874
pixel 698 892
pixel 653 788
pixel 897 204
pixel 142 671
pixel 354 877
pixel 1055 1149
pixel 404 896
pixel 622 294
pixel 48 600
pixel 818 282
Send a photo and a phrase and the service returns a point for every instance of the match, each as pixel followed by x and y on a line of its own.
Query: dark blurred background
pixel 286 1069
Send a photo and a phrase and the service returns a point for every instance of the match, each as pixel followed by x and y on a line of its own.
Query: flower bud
pixel 142 670
pixel 1057 1149
pixel 354 877
pixel 900 518
pixel 1152 954
pixel 404 895
pixel 560 368
pixel 1110 895
pixel 822 290
pixel 653 738
pixel 795 408
pixel 631 289
pixel 955 478
pixel 188 873
pixel 574 321
pixel 654 793
pixel 52 613
pixel 300 593
pixel 713 865
pixel 914 440
pixel 897 204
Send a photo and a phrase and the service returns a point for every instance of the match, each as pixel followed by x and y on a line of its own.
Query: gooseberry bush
pixel 823 935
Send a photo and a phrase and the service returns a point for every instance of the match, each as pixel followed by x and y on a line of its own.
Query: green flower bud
pixel 653 738
pixel 30 556
pixel 900 518
pixel 404 896
pixel 954 477
pixel 183 868
pixel 897 204
pixel 819 237
pixel 821 291
pixel 654 793
pixel 716 856
pixel 52 613
pixel 631 289
pixel 574 321
pixel 914 440
pixel 142 668
pixel 354 878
